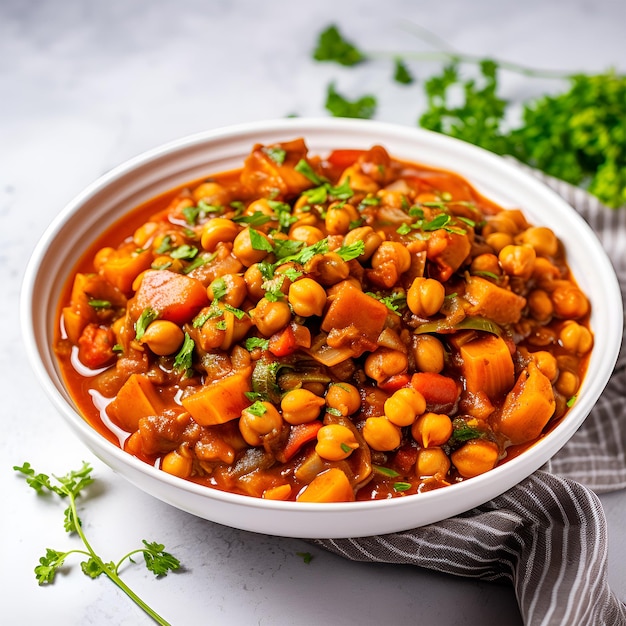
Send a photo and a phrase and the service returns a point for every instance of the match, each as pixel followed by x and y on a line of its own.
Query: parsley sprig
pixel 70 486
pixel 577 135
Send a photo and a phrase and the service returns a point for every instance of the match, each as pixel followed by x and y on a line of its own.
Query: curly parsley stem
pixel 112 573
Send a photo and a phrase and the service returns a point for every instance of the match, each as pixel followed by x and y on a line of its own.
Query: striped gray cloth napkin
pixel 547 535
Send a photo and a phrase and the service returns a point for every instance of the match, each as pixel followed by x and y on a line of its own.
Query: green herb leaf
pixel 332 46
pixel 307 557
pixel 275 153
pixel 148 315
pixel 339 106
pixel 304 168
pixel 259 242
pixel 401 486
pixel 184 358
pixel 219 288
pixel 401 73
pixel 385 471
pixel 256 342
pixel 158 561
pixel 258 408
pixel 184 252
pixel 351 251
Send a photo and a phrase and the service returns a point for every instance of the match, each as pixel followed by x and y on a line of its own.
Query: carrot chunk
pixel 439 391
pixel 220 402
pixel 175 297
pixel 487 366
pixel 137 398
pixel 331 486
pixel 527 407
pixel 356 318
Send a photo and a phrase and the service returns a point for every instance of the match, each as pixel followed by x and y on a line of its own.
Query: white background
pixel 86 85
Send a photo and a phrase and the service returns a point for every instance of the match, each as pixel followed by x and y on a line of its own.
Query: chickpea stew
pixel 324 329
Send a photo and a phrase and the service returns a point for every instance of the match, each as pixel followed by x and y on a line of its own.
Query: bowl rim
pixel 100 446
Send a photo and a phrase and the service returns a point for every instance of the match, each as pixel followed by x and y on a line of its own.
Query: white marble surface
pixel 85 85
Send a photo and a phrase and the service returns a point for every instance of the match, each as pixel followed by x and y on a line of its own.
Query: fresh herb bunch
pixel 70 486
pixel 578 135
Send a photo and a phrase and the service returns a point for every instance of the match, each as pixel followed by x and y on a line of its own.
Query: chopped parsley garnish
pixel 570 403
pixel 184 358
pixel 199 261
pixel 148 315
pixel 258 218
pixel 184 252
pixel 344 446
pixel 219 288
pixel 258 408
pixel 304 168
pixel 351 251
pixel 259 242
pixel 275 153
pixel 256 342
pixel 337 413
pixel 193 214
pixel 307 557
pixel 385 471
pixel 165 245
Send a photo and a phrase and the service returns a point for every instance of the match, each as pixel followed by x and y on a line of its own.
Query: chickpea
pixel 540 305
pixel 542 239
pixel 486 263
pixel 517 260
pixel 569 302
pixel 380 434
pixel 167 262
pixel 404 405
pixel 392 252
pixel 344 398
pixel 546 363
pixel 254 280
pixel 144 234
pixel 475 457
pixel 567 383
pixel 497 241
pixel 102 256
pixel 545 271
pixel 269 317
pixel 300 406
pixel 384 363
pixel 306 233
pixel 217 230
pixel 257 420
pixel 307 297
pixel 432 429
pixel 502 222
pixel 429 353
pixel 179 462
pixel 211 193
pixel 163 337
pixel 432 462
pixel 235 286
pixel 575 338
pixel 368 236
pixel 425 296
pixel 244 250
pixel 335 442
pixel 332 269
pixel 339 216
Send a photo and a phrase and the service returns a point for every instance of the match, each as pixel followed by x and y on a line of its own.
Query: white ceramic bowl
pixel 144 177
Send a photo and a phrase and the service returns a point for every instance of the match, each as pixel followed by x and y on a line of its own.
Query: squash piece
pixel 354 319
pixel 121 269
pixel 487 366
pixel 137 398
pixel 495 303
pixel 221 401
pixel 331 486
pixel 528 407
